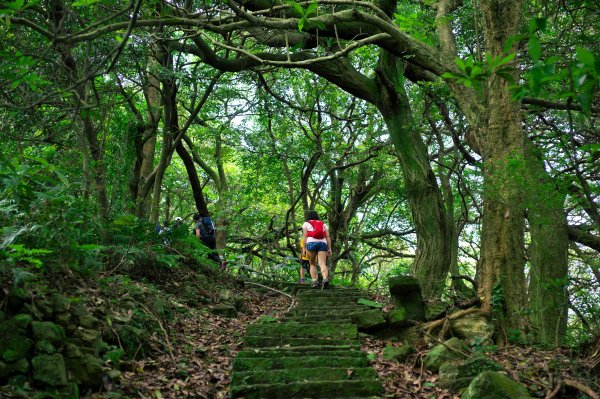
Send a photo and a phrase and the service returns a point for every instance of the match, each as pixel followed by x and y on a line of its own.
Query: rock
pixel 17 297
pixel 50 369
pixel 455 376
pixel 2 316
pixel 493 385
pixel 29 308
pixel 72 350
pixel 21 366
pixel 78 309
pixel 226 295
pixel 44 347
pixel 48 331
pixel 369 320
pixel 22 320
pixel 86 371
pixel 225 310
pixel 399 353
pixel 397 317
pixel 473 329
pixel 88 321
pixel 62 319
pixel 406 294
pixel 435 309
pixel 450 351
pixel 60 304
pixel 45 307
pixel 14 344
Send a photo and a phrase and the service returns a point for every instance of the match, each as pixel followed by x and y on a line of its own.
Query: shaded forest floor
pixel 192 357
pixel 187 350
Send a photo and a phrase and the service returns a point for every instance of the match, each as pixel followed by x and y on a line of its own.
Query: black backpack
pixel 206 226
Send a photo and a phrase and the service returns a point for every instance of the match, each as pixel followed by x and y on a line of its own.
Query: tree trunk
pixel 432 259
pixel 502 282
pixel 548 297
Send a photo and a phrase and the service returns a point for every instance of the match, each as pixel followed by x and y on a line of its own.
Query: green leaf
pixel 506 59
pixel 367 302
pixel 534 48
pixel 311 8
pixel 301 22
pixel 296 7
pixel 83 3
pixel 14 5
pixel 585 56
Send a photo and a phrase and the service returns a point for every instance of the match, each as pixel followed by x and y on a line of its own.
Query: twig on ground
pixel 582 387
pixel 552 394
pixel 168 341
pixel 269 288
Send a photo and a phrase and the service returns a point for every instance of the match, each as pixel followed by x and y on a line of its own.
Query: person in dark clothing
pixel 205 231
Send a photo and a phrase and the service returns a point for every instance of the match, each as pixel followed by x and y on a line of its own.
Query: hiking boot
pixel 302 281
pixel 315 284
pixel 325 284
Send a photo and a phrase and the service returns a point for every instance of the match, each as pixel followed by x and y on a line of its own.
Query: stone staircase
pixel 313 353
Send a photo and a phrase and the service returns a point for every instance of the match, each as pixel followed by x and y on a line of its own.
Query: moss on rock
pixel 50 369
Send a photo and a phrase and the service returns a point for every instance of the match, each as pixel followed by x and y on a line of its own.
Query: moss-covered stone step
pixel 299 375
pixel 277 353
pixel 298 362
pixel 325 301
pixel 312 347
pixel 298 330
pixel 314 389
pixel 329 294
pixel 330 307
pixel 252 341
pixel 343 310
pixel 337 318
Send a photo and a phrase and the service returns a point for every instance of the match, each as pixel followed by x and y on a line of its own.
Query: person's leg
pixel 302 271
pixel 312 255
pixel 322 256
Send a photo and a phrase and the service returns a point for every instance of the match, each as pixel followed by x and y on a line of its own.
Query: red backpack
pixel 318 231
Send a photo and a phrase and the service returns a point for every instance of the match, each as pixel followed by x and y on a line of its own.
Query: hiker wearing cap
pixel 318 246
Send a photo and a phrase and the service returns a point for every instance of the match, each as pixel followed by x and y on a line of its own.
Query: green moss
pixel 46 330
pixel 50 369
pixel 493 385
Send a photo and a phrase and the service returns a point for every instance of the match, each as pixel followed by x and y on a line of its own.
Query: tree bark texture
pixel 502 282
pixel 432 260
pixel 548 253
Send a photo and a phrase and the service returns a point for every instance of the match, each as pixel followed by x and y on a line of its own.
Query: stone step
pixel 299 375
pixel 330 294
pixel 342 310
pixel 276 353
pixel 293 350
pixel 315 389
pixel 294 329
pixel 320 318
pixel 298 362
pixel 252 341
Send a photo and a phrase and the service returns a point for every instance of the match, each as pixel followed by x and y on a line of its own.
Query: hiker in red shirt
pixel 318 246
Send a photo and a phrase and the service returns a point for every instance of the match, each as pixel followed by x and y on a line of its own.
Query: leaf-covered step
pixel 298 330
pixel 276 353
pixel 297 362
pixel 316 389
pixel 299 375
pixel 341 310
pixel 253 341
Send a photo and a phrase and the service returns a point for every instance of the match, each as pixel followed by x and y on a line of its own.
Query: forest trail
pixel 315 352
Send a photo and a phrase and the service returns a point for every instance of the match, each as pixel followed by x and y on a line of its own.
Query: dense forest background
pixel 456 141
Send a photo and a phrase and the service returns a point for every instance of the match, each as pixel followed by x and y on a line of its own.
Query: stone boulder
pixel 455 376
pixel 50 369
pixel 48 331
pixel 406 294
pixel 398 353
pixel 369 320
pixel 397 318
pixel 494 385
pixel 473 328
pixel 452 350
pixel 435 309
pixel 85 370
